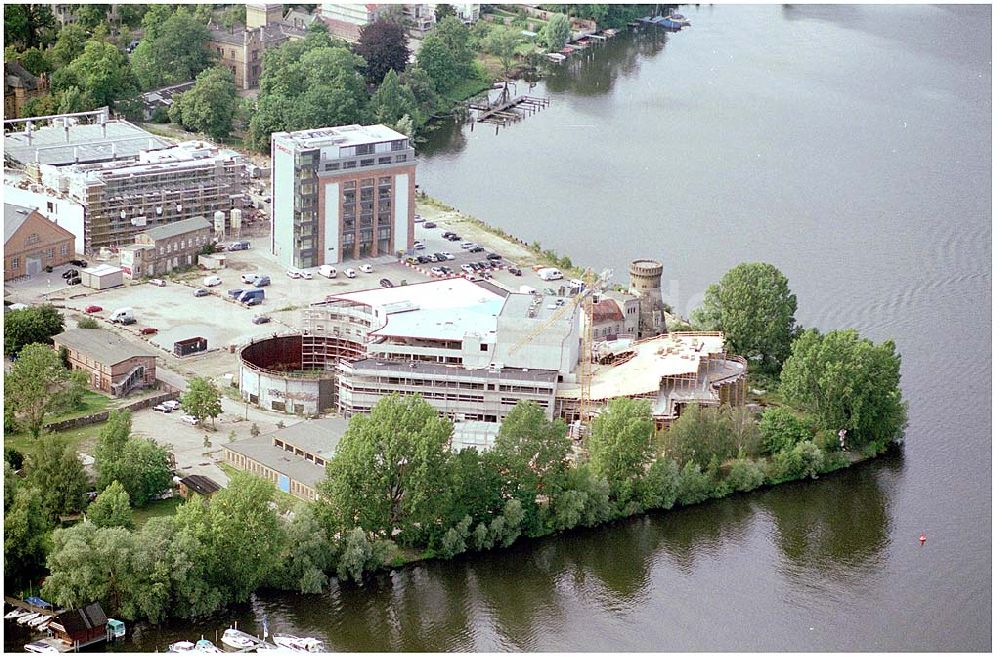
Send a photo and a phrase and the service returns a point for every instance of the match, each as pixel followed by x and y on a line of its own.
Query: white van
pixel 350 274
pixel 528 290
pixel 328 271
pixel 123 316
pixel 212 280
pixel 550 274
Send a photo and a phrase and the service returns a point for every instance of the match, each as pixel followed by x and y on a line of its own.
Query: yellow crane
pixel 592 285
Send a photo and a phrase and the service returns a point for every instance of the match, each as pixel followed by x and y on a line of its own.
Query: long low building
pixel 115 365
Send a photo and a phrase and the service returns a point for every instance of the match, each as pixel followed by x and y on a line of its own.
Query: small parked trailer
pixel 192 346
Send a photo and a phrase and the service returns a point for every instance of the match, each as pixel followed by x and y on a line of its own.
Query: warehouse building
pixel 31 242
pixel 115 366
pixel 162 249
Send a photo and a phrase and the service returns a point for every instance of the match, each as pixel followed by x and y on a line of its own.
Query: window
pixel 400 158
pixel 365 162
pixel 64 250
pixel 48 253
pixel 50 206
pixel 32 239
pixel 483 347
pixel 15 263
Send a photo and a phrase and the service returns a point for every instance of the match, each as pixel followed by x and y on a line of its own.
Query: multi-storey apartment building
pixel 345 20
pixel 341 193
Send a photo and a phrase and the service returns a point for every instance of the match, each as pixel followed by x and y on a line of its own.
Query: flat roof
pixel 537 307
pixel 677 353
pixel 103 345
pixel 445 309
pixel 317 436
pixel 102 269
pixel 178 228
pixel 340 135
pixel 262 449
pixel 58 145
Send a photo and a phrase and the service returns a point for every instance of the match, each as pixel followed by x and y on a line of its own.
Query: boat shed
pixel 81 627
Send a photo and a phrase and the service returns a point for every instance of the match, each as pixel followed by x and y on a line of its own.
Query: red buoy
pixel 923 538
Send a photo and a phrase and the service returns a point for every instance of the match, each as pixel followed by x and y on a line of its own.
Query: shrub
pixel 804 459
pixel 254 430
pixel 695 486
pixel 87 323
pixel 780 430
pixel 745 475
pixel 453 541
pixel 661 485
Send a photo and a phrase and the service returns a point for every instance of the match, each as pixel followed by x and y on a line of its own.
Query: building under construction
pixel 119 179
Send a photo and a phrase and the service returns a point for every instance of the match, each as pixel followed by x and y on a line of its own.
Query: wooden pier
pixel 505 112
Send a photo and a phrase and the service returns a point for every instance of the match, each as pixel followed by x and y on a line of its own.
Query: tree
pixel 533 452
pixel 392 101
pixel 621 447
pixel 113 436
pixel 55 471
pixel 420 84
pixel 87 323
pixel 25 525
pixel 308 553
pixel 202 400
pixel 445 55
pixel 557 32
pixel 89 564
pixel 90 16
pixel 780 429
pixel 111 507
pixel 243 524
pixel 28 25
pixel 31 325
pixel 101 71
pixel 382 45
pixel 390 471
pixel 37 385
pixel 235 15
pixel 755 309
pixel 175 51
pixel 131 15
pixel 503 42
pixel 141 466
pixel 443 11
pixel 209 106
pixel 700 434
pixel 35 61
pixel 849 383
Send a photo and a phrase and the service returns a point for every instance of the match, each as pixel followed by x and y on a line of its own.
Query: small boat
pixel 558 58
pixel 40 648
pixel 239 640
pixel 39 621
pixel 267 648
pixel 205 645
pixel 13 614
pixel 181 646
pixel 299 644
pixel 25 618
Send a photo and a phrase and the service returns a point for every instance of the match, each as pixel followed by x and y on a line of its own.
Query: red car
pixel 148 330
pixel 93 309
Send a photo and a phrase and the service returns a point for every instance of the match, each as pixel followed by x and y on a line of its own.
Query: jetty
pixel 508 110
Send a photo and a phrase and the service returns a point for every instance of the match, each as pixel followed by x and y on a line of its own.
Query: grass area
pixel 92 402
pixel 465 89
pixel 81 439
pixel 158 508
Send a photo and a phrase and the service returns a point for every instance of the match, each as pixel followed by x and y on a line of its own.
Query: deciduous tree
pixel 557 32
pixel 101 71
pixel 55 471
pixel 28 25
pixel 503 42
pixel 392 101
pixel 383 46
pixel 176 51
pixel 209 106
pixel 31 325
pixel 111 507
pixel 202 400
pixel 849 383
pixel 141 466
pixel 25 525
pixel 621 447
pixel 754 307
pixel 37 385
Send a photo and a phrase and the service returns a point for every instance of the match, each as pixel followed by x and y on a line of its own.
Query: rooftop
pixel 340 136
pixel 432 368
pixel 181 227
pixel 607 311
pixel 103 345
pixel 67 142
pixel 13 218
pixel 677 353
pixel 102 269
pixel 318 436
pixel 537 307
pixel 202 485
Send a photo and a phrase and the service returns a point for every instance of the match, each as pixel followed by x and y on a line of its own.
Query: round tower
pixel 644 283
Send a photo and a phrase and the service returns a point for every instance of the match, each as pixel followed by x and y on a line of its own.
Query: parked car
pixel 93 309
pixel 514 270
pixel 385 283
pixel 148 330
pixel 467 245
pixel 476 248
pixel 70 273
pixel 239 245
pixel 419 244
pixel 412 260
pixel 260 319
pixel 80 263
pixel 47 268
pixel 73 281
pixel 187 418
pixel 468 268
pixel 261 280
pixel 439 257
pixel 248 277
pixel 454 237
pixel 163 407
pixel 448 255
pixel 235 292
pixel 350 274
pixel 493 256
pixel 306 274
pixel 294 274
pixel 173 405
pixel 429 225
pixel 437 272
pixel 367 267
pixel 212 280
pixel 158 282
pixel 424 259
pixel 328 271
pixel 448 234
pixel 200 292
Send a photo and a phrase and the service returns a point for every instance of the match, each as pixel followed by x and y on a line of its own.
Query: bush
pixel 745 475
pixel 12 456
pixel 661 485
pixel 804 459
pixel 359 554
pixel 254 430
pixel 87 323
pixel 835 460
pixel 695 486
pixel 453 541
pixel 780 430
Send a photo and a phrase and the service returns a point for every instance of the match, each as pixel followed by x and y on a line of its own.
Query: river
pixel 849 146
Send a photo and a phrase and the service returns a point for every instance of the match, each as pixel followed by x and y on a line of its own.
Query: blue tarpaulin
pixel 38 601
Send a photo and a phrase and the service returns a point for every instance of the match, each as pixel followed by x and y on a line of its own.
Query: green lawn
pixel 81 439
pixel 92 402
pixel 158 508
